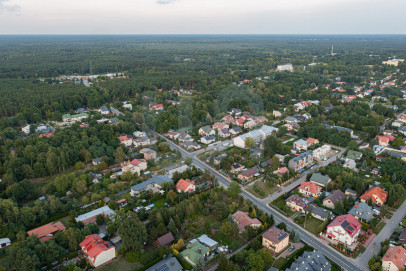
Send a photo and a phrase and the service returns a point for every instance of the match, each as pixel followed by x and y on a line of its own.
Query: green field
pixel 120 264
pixel 312 224
pixel 262 190
pixel 378 229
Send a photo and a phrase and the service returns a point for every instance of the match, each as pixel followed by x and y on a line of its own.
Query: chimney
pixel 199 250
pixel 172 262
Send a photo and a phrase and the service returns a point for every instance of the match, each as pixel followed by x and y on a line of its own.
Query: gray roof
pixel 310 261
pixel 323 213
pixel 158 179
pixel 362 210
pixel 205 240
pixel 320 179
pixel 335 196
pixel 302 156
pixel 167 264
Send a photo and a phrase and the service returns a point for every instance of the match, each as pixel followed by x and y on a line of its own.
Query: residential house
pixel 250 124
pixel 319 179
pixel 305 159
pixel 173 135
pixel 186 186
pixel 339 129
pixel 309 189
pixel 362 212
pixel 290 120
pixel 104 110
pixel 276 114
pixel 135 166
pixel 97 161
pixel 311 261
pixel 208 242
pixel 239 121
pixel 320 213
pixel 220 125
pixel 195 252
pixel 208 139
pixel 167 264
pixel 97 251
pixel 300 145
pixel 377 195
pixel 298 204
pixel 275 240
pixel 312 141
pixel 176 168
pixel 156 107
pixel 345 229
pixel 91 216
pixel 140 134
pixel 141 141
pixel 385 140
pixel 244 220
pixel 224 133
pixel 125 140
pixel 228 119
pixel 164 240
pixel 248 174
pixel 334 197
pixel 26 129
pixel 46 232
pixel 235 130
pixel 151 184
pixel 394 259
pixel 121 203
pixel 206 131
pixel 184 137
pixel 349 163
pixel 236 168
pixel 148 153
pixel 190 145
pixel 322 153
pixel 128 106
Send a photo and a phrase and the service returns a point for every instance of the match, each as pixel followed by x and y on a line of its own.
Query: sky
pixel 202 17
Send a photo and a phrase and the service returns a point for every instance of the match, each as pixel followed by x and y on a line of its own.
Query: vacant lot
pixel 262 190
pixel 312 224
pixel 120 264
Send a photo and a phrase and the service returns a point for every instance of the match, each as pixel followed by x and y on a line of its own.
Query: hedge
pixel 292 257
pixel 151 263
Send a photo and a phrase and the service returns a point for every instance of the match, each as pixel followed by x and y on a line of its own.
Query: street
pixel 346 263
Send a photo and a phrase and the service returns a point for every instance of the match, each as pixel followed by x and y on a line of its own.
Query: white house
pixel 5 242
pixel 250 124
pixel 26 129
pixel 97 250
pixel 256 135
pixel 208 139
pixel 135 166
pixel 300 145
pixel 345 229
pixel 322 152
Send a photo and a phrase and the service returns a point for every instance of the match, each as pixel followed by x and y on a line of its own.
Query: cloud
pixel 8 8
pixel 163 2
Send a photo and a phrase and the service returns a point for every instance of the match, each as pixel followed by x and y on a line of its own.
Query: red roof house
pixel 186 186
pixel 243 220
pixel 376 194
pixel 45 232
pixel 344 228
pixel 394 258
pixel 309 189
pixel 164 240
pixel 97 250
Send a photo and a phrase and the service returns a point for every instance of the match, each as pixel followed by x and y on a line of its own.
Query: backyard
pixel 120 264
pixel 311 225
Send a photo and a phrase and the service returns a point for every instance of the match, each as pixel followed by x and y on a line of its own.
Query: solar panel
pixel 281 237
pixel 345 224
pixel 163 267
pixel 350 228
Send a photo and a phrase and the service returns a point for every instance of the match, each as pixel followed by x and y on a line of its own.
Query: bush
pixel 146 258
pixel 365 226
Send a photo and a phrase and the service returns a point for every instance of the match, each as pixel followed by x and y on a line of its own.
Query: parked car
pixel 292 248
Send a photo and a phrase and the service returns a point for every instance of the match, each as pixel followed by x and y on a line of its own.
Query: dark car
pixel 292 248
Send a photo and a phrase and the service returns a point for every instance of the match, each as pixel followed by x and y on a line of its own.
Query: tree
pixel 188 161
pixel 172 227
pixel 171 196
pixel 339 208
pixel 102 166
pixel 255 262
pixel 234 189
pixel 352 145
pixel 119 155
pixel 275 163
pixel 398 141
pixel 132 231
pixel 249 142
pixel 100 220
pixel 227 228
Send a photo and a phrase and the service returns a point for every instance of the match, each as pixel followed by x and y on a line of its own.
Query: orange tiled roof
pixel 396 255
pixel 311 187
pixel 374 192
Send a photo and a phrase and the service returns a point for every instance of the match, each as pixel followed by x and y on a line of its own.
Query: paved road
pixel 346 263
pixel 385 233
pixel 304 174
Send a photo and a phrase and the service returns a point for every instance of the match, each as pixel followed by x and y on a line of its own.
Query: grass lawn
pixel 126 196
pixel 312 224
pixel 360 251
pixel 379 228
pixel 400 201
pixel 281 204
pixel 120 264
pixel 285 137
pixel 261 189
pixel 233 243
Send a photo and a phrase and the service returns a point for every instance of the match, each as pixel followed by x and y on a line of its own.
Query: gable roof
pixel 320 179
pixel 249 172
pixel 183 185
pixel 243 220
pixel 167 264
pixel 374 192
pixel 157 179
pixel 362 210
pixel 310 261
pixel 348 223
pixel 165 239
pixel 311 140
pixel 335 196
pixel 45 232
pixel 310 187
pixel 396 255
